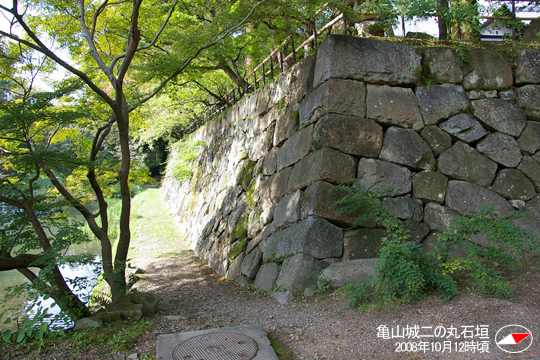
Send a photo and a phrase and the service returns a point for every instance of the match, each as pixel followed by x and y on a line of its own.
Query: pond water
pixel 13 277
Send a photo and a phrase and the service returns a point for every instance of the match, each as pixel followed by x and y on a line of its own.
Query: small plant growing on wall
pixel 404 273
pixel 182 161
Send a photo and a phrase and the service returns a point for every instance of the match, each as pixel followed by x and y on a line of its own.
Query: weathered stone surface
pixel 313 236
pixel 106 317
pixel 438 140
pixel 299 272
pixel 487 70
pixel 406 147
pixel 500 115
pixel 508 95
pixel 277 185
pixel 125 307
pixel 335 96
pixel 464 127
pixel 374 174
pixel 443 65
pixel 267 276
pixel 326 164
pixel 531 31
pixel 319 199
pixel 234 269
pixel 87 323
pixel 263 235
pixel 295 148
pixel 481 94
pixel 393 106
pixel 287 211
pixel 251 263
pixel 531 169
pixel 463 162
pixel 467 198
pixel 302 78
pixel 417 230
pixel 439 102
pixel 243 281
pixel 287 123
pixel 529 101
pixel 348 134
pixel 528 67
pixel 501 148
pixel 529 141
pixel 148 301
pixel 283 297
pixel 270 162
pixel 349 272
pixel 438 217
pixel 404 207
pixel 362 243
pixel 513 185
pixel 429 186
pixel 366 60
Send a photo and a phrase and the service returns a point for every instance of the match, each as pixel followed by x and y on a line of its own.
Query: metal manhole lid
pixel 216 346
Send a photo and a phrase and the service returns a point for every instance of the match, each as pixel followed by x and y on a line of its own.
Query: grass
pixel 283 352
pixel 153 233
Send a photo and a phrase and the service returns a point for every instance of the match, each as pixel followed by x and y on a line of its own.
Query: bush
pixel 180 164
pixel 404 273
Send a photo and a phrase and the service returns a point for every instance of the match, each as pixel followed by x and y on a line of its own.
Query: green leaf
pixel 44 326
pixel 38 335
pixel 6 336
pixel 7 321
pixel 21 334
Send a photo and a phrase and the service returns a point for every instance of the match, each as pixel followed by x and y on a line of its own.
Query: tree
pixel 104 38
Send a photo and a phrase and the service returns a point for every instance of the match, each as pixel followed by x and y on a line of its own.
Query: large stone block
pixel 531 31
pixel 464 127
pixel 267 276
pixel 373 174
pixel 299 272
pixel 406 147
pixel 501 148
pixel 487 70
pixel 404 207
pixel 429 186
pixel 531 169
pixel 302 78
pixel 270 162
pixel 287 211
pixel 320 198
pixel 313 236
pixel 438 140
pixel 529 141
pixel 438 217
pixel 335 96
pixel 439 102
pixel 362 243
pixel 467 198
pixel 251 263
pixel 417 230
pixel 277 185
pixel 463 162
pixel 513 185
pixel 348 134
pixel 500 115
pixel 286 124
pixel 393 106
pixel 234 269
pixel 295 148
pixel 349 272
pixel 528 67
pixel 529 101
pixel 326 164
pixel 366 60
pixel 443 65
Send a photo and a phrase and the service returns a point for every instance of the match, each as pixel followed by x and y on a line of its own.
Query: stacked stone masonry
pixel 260 206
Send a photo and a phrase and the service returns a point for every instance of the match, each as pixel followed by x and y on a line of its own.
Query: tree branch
pixel 19 262
pixel 134 36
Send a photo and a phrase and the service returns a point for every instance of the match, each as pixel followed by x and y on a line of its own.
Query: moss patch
pixel 237 248
pixel 240 230
pixel 247 174
pixel 283 352
pixel 250 194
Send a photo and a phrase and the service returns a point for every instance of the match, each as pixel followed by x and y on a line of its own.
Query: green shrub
pixel 404 273
pixel 180 165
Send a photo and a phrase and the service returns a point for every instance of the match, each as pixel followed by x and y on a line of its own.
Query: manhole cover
pixel 216 346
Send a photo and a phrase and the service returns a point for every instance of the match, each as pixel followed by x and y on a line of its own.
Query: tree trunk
pixel 443 26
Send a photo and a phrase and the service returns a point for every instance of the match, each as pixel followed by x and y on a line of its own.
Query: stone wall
pixel 259 205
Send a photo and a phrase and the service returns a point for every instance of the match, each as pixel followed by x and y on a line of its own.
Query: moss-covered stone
pixel 247 174
pixel 237 248
pixel 240 230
